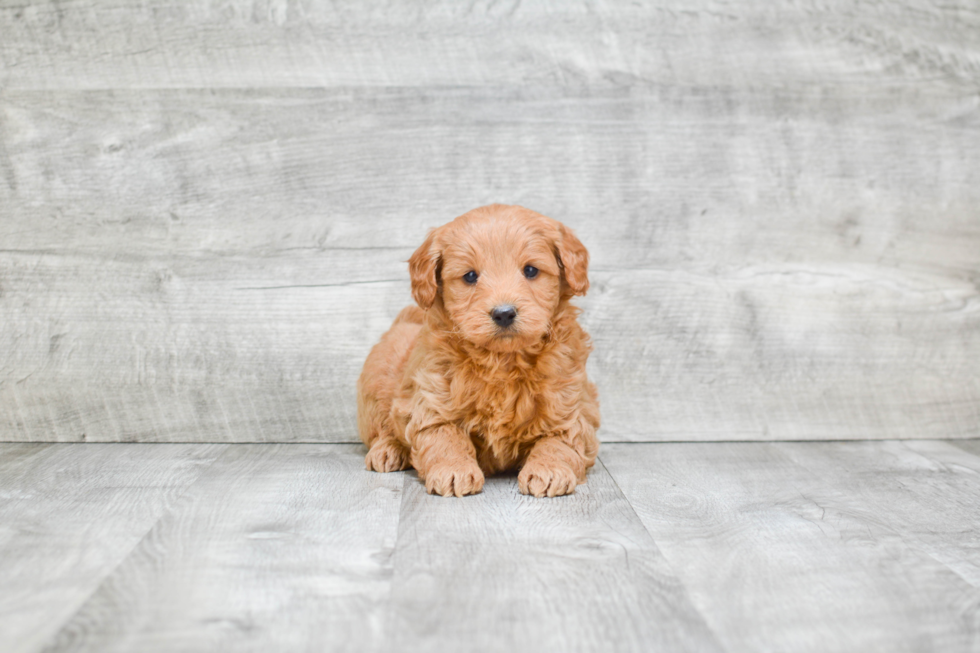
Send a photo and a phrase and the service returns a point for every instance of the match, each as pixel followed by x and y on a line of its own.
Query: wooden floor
pixel 831 546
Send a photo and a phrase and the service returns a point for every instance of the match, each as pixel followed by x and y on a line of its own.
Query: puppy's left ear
pixel 423 267
pixel 573 259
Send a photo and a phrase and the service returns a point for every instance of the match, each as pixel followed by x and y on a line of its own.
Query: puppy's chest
pixel 500 408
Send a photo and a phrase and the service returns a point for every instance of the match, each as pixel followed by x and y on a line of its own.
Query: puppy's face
pixel 500 273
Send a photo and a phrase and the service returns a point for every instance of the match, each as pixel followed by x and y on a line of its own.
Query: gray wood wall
pixel 205 207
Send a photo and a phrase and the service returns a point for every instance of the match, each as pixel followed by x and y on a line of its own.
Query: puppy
pixel 488 373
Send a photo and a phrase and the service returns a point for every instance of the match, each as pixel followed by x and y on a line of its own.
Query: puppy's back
pixel 411 315
pixel 382 374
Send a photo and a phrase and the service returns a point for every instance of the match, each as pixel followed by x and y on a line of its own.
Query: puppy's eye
pixel 470 277
pixel 530 271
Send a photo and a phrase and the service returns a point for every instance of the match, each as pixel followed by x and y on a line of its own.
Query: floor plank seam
pixel 387 615
pixel 687 594
pixel 629 503
pixel 52 644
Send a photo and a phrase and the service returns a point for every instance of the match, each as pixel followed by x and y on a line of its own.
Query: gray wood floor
pixel 806 546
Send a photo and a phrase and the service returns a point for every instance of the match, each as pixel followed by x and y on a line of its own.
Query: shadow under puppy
pixel 488 373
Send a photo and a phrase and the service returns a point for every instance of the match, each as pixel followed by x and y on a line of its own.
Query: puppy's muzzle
pixel 504 315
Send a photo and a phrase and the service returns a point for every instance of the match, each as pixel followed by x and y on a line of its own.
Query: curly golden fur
pixel 488 373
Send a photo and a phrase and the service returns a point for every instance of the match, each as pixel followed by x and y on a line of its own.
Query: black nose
pixel 504 315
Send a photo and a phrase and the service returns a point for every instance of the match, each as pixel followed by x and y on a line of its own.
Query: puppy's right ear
pixel 574 261
pixel 423 266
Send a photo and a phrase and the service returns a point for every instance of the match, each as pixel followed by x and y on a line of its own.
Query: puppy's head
pixel 499 273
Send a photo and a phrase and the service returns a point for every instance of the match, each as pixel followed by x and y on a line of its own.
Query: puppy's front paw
pixel 386 455
pixel 457 478
pixel 541 480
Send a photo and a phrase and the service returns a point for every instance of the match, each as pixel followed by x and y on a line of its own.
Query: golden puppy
pixel 488 372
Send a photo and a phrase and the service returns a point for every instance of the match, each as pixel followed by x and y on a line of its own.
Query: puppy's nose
pixel 504 315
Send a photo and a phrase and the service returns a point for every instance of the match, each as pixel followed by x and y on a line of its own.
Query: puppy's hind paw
pixel 386 455
pixel 454 479
pixel 542 480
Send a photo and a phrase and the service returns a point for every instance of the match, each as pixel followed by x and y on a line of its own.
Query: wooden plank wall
pixel 205 207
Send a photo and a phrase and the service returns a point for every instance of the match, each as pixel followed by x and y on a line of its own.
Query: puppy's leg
pixel 552 468
pixel 386 454
pixel 376 388
pixel 446 460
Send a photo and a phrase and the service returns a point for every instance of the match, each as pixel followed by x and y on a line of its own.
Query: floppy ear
pixel 573 259
pixel 423 266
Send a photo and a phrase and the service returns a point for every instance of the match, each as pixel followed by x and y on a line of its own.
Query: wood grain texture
pixel 925 491
pixel 69 515
pixel 201 237
pixel 503 571
pixel 816 546
pixel 843 546
pixel 277 547
pixel 238 43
